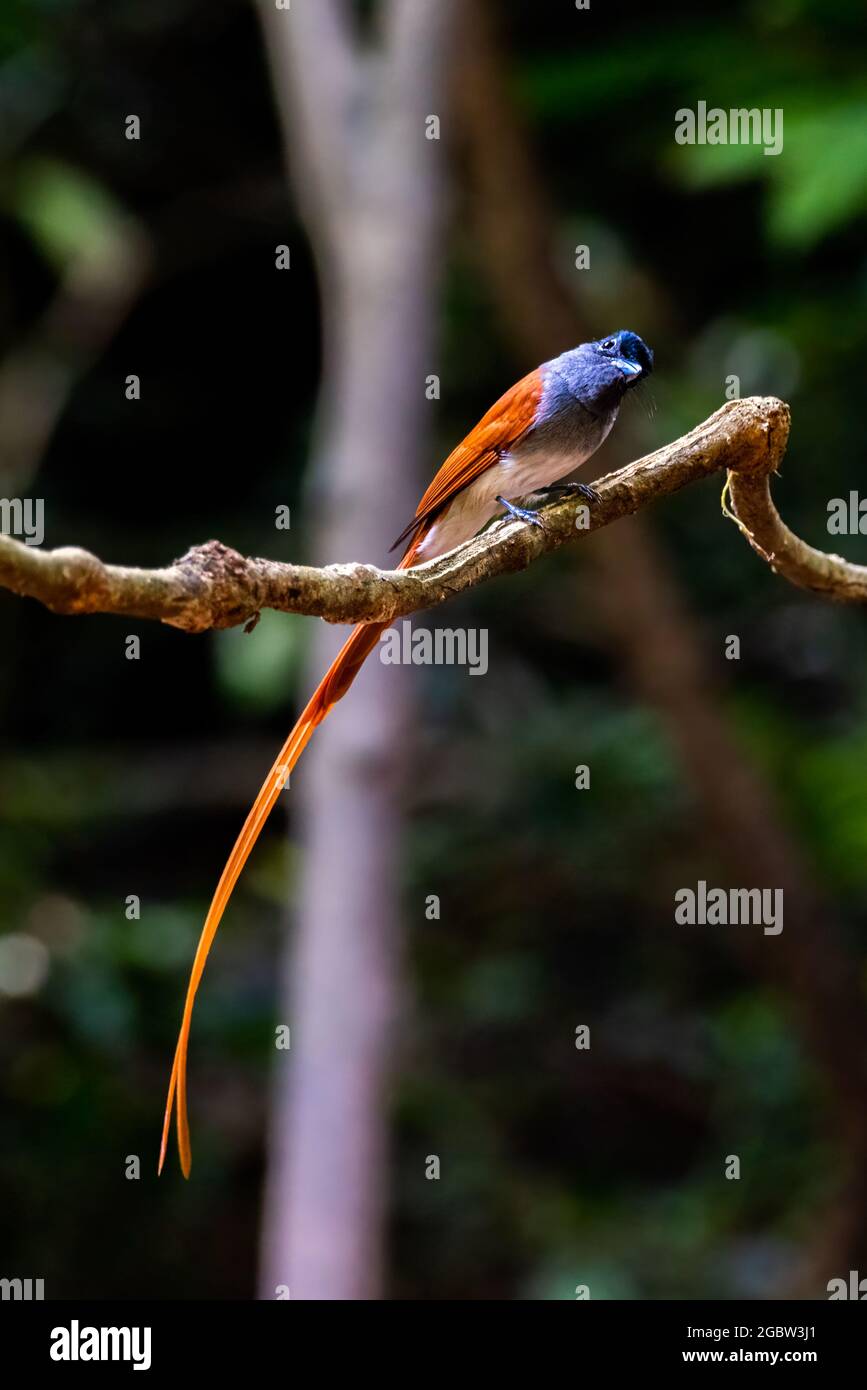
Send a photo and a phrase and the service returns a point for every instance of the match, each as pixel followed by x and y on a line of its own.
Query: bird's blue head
pixel 598 374
pixel 628 353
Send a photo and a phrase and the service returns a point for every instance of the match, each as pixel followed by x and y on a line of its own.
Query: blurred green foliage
pixel 559 1168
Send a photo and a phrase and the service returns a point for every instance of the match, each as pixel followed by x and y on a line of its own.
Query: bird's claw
pixel 564 489
pixel 521 513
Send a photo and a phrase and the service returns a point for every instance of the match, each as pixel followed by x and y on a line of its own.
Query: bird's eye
pixel 608 345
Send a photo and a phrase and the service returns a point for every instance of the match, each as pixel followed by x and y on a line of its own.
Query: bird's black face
pixel 596 374
pixel 629 354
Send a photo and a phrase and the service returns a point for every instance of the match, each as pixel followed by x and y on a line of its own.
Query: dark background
pixel 120 777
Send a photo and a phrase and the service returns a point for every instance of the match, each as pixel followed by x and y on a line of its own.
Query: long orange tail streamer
pixel 332 687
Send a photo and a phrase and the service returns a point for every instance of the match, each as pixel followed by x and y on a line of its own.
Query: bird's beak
pixel 628 369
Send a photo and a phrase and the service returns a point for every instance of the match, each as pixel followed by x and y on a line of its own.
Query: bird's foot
pixel 521 513
pixel 556 490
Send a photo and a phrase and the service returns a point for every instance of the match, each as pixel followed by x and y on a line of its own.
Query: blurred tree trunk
pixel 368 181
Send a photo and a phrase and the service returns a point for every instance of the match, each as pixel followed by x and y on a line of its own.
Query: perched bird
pixel 547 424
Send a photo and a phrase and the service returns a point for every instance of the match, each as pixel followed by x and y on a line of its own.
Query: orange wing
pixel 507 421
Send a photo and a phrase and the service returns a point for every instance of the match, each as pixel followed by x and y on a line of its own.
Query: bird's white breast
pixel 544 457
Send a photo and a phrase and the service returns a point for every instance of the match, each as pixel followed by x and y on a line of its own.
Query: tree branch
pixel 215 587
pixel 753 511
